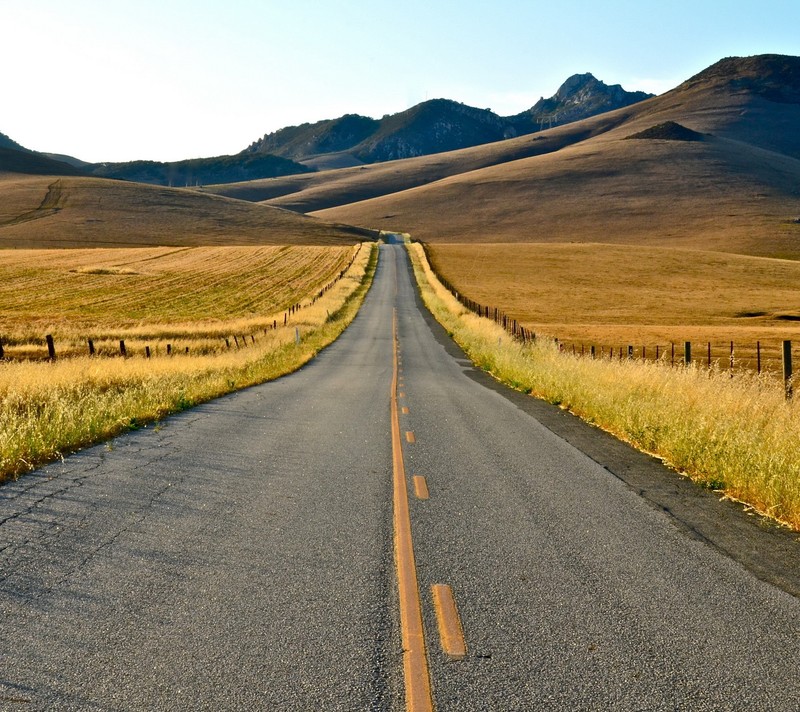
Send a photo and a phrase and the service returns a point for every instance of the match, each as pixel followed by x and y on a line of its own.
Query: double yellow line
pixel 415 662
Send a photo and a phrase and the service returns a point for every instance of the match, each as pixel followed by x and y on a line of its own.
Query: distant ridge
pixel 200 171
pixel 30 163
pixel 440 125
pixel 6 142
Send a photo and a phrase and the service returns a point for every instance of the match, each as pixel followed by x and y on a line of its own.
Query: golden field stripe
pixel 415 662
pixel 450 630
pixel 420 487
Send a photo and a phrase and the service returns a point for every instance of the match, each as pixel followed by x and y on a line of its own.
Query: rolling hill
pixel 73 211
pixel 620 177
pixel 198 171
pixel 20 160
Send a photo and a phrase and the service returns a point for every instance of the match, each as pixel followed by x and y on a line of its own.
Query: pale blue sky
pixel 169 79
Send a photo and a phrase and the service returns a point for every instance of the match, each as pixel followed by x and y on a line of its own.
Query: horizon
pixel 121 81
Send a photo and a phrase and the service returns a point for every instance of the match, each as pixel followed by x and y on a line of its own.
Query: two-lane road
pixel 242 556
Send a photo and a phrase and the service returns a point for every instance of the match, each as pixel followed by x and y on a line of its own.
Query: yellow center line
pixel 415 662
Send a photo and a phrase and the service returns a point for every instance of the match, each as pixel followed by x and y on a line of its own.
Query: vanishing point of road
pixel 384 529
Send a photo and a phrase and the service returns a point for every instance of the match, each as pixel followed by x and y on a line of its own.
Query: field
pixel 48 409
pixel 196 295
pixel 737 436
pixel 611 296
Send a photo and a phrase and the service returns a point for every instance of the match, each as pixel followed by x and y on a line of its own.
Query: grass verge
pixel 736 436
pixel 50 409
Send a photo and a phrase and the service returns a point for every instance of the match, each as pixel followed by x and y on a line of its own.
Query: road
pixel 241 555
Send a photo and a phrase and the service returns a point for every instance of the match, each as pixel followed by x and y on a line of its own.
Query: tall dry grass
pixel 49 409
pixel 738 436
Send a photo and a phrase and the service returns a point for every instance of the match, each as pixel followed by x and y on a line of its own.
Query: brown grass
pixel 613 296
pixel 737 436
pixel 192 294
pixel 48 409
pixel 41 211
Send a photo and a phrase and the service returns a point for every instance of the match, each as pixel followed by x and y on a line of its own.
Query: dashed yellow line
pixel 410 437
pixel 415 662
pixel 450 631
pixel 420 487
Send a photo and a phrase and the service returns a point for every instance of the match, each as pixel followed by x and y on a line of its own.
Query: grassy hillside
pixel 737 189
pixel 50 211
pixel 327 189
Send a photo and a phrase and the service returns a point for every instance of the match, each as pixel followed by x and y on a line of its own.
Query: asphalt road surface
pixel 241 556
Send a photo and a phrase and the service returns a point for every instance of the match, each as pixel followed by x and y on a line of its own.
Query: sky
pixel 118 80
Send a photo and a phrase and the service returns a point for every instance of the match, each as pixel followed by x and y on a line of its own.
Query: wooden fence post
pixel 91 347
pixel 123 352
pixel 687 352
pixel 787 370
pixel 758 357
pixel 169 349
pixel 147 351
pixel 592 352
pixel 630 351
pixel 51 347
pixel 2 353
pixel 731 359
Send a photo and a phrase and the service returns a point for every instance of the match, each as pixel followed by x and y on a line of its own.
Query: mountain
pixel 629 176
pixel 438 125
pixel 306 140
pixel 198 171
pixel 580 97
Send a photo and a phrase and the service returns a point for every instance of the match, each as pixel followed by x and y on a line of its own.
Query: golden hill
pixel 736 189
pixel 53 211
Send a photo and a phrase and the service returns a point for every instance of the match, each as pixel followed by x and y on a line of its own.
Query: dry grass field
pixel 48 409
pixel 51 211
pixel 737 436
pixel 613 296
pixel 196 295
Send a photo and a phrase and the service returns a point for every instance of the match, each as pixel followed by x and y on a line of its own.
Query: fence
pixel 659 353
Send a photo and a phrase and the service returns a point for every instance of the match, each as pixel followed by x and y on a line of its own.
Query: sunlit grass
pixel 48 409
pixel 736 435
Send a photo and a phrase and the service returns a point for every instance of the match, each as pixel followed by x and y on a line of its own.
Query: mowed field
pixel 198 295
pixel 612 296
